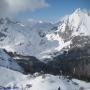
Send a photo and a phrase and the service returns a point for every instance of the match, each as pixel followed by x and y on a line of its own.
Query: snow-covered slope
pixel 41 39
pixel 13 79
pixel 78 22
pixel 8 62
pixel 7 76
pixel 25 41
pixel 75 28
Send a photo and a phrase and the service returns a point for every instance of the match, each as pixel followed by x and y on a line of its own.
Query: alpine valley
pixel 39 55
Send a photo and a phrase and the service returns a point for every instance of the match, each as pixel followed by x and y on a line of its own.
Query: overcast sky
pixel 47 10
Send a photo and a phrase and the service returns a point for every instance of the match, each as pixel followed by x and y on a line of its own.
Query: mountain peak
pixel 75 24
pixel 78 21
pixel 79 10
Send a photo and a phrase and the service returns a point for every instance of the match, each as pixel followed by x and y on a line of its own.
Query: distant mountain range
pixel 31 46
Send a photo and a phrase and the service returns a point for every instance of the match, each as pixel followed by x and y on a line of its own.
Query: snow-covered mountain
pixel 42 39
pixel 78 23
pixel 8 62
pixel 26 41
pixel 75 26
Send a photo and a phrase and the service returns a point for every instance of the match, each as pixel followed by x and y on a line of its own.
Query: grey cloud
pixel 10 7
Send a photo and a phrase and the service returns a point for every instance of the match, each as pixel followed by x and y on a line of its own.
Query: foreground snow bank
pixel 38 82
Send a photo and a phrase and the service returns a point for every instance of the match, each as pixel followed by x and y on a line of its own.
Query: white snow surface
pixel 39 82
